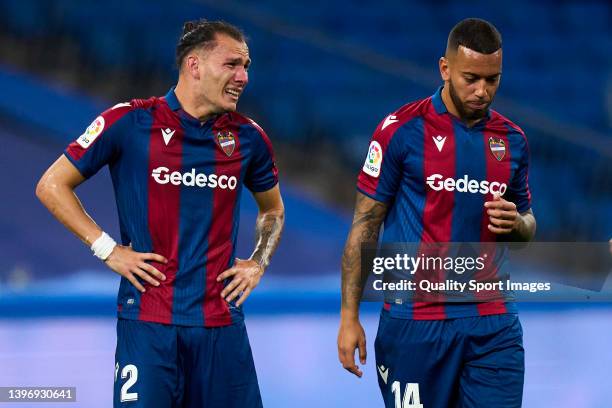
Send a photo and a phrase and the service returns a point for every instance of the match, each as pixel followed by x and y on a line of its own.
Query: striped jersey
pixel 435 174
pixel 177 183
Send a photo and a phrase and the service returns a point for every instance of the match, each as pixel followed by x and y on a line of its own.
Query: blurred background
pixel 324 74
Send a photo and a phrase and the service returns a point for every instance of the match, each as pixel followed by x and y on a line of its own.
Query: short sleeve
pixel 382 170
pixel 100 144
pixel 519 185
pixel 262 173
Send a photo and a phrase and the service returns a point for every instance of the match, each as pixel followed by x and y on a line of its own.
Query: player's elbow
pixel 278 214
pixel 279 211
pixel 42 189
pixel 276 210
pixel 45 189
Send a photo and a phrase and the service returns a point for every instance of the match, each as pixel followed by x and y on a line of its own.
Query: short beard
pixel 463 114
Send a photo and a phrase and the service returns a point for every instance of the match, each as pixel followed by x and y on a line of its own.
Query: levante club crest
pixel 227 141
pixel 497 147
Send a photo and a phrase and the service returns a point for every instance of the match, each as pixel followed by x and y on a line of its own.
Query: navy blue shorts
pixel 158 365
pixel 471 362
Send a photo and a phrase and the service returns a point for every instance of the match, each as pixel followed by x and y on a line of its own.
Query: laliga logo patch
pixel 373 160
pixel 226 141
pixel 91 133
pixel 497 147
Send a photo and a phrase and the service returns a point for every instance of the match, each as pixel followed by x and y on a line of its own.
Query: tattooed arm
pixel 269 225
pixel 268 228
pixel 369 215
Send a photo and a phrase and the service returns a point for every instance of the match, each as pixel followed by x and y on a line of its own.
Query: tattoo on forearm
pixel 268 229
pixel 526 229
pixel 369 215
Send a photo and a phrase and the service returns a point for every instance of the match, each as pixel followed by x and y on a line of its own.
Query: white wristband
pixel 103 246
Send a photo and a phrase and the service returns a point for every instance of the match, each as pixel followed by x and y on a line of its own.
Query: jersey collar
pixel 175 105
pixel 172 100
pixel 438 104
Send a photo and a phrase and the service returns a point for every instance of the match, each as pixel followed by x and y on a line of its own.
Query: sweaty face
pixel 223 74
pixel 473 79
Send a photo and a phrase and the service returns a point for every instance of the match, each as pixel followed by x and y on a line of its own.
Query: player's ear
pixel 444 68
pixel 192 62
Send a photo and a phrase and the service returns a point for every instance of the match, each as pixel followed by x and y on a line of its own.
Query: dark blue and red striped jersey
pixel 435 174
pixel 177 183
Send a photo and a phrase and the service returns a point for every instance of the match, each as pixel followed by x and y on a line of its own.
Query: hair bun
pixel 188 26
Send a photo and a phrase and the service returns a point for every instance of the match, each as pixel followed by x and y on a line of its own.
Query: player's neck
pixel 452 109
pixel 190 103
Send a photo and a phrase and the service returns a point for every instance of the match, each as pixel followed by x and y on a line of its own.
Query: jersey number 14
pixel 411 395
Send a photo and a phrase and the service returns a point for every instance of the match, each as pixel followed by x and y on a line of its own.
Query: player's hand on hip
pixel 245 276
pixel 503 216
pixel 131 264
pixel 350 337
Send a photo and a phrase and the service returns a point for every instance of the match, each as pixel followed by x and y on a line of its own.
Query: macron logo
pixel 388 121
pixel 384 372
pixel 439 141
pixel 167 134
